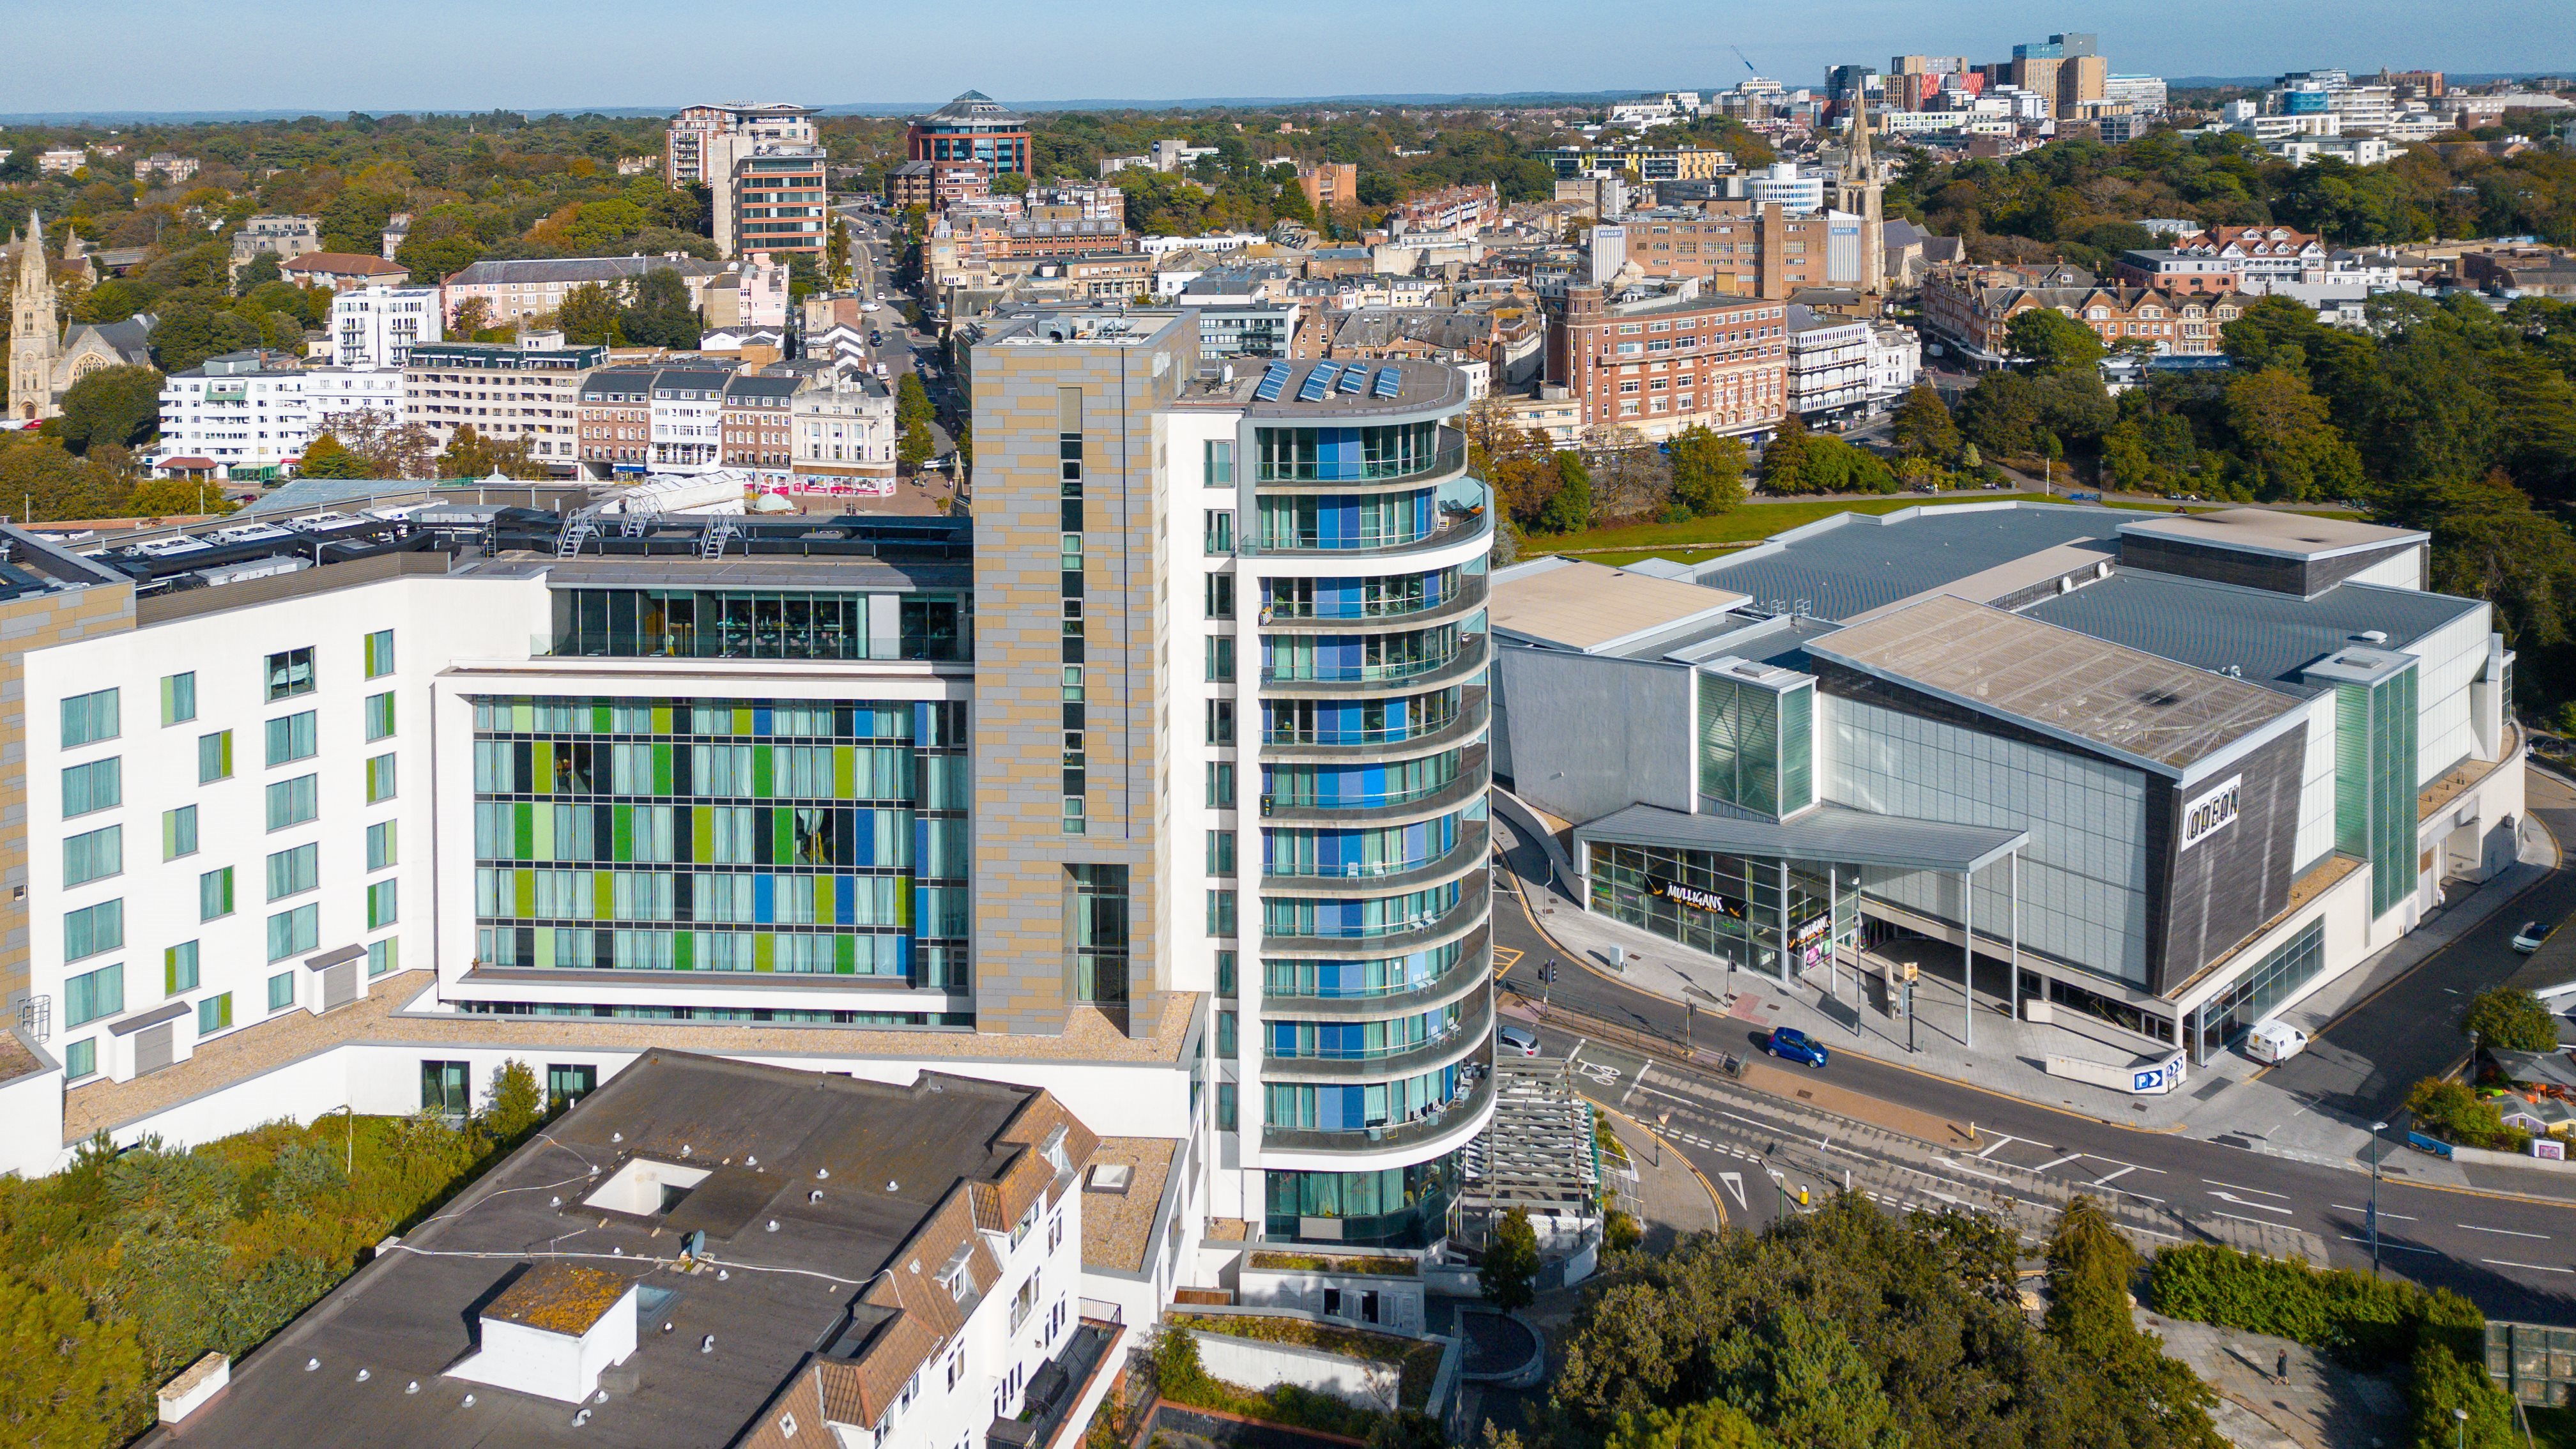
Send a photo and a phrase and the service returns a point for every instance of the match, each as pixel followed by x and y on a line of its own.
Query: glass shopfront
pixel 1742 910
pixel 1397 1207
pixel 2274 979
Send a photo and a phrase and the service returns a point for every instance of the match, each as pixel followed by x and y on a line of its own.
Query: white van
pixel 2274 1041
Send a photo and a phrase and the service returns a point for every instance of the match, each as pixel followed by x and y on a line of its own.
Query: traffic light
pixel 1547 974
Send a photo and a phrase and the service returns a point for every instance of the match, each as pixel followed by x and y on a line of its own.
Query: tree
pixel 1784 458
pixel 836 253
pixel 1923 427
pixel 1569 509
pixel 71 1377
pixel 387 448
pixel 660 314
pixel 516 1104
pixel 190 332
pixel 120 406
pixel 471 455
pixel 2147 1398
pixel 2282 428
pixel 2047 340
pixel 1708 470
pixel 1713 1424
pixel 327 457
pixel 1800 1377
pixel 1509 1275
pixel 261 270
pixel 165 497
pixel 473 315
pixel 588 315
pixel 2502 1018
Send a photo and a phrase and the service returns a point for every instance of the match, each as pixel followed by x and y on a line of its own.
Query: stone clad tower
pixel 35 333
pixel 1858 193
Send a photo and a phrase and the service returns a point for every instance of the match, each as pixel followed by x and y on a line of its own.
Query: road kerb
pixel 1666 1144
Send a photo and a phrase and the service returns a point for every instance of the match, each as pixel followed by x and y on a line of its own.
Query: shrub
pixel 2456 1114
pixel 2502 1018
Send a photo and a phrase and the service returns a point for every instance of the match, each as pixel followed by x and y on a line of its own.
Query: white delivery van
pixel 2274 1041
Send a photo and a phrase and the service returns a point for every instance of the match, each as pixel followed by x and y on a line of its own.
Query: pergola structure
pixel 1541 1153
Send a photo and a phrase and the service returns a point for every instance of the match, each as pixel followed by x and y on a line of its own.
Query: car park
pixel 1792 1045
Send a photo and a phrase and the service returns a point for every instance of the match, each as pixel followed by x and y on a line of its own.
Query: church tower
pixel 1858 193
pixel 35 334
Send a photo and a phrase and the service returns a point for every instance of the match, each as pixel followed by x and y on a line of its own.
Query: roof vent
pixel 553 1331
pixel 2374 636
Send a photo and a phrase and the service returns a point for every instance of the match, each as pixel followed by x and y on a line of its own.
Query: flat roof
pixel 1832 834
pixel 1851 563
pixel 2126 702
pixel 2272 531
pixel 1575 604
pixel 2265 636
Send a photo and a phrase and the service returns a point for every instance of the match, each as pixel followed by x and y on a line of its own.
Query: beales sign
pixel 2212 812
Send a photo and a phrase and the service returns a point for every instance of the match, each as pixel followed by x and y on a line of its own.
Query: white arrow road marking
pixel 2258 1192
pixel 1735 1184
pixel 2261 1207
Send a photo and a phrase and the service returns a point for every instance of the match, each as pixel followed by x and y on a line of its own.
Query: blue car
pixel 1791 1044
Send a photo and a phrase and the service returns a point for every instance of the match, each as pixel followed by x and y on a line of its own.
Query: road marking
pixel 2534 1267
pixel 2391 1247
pixel 2506 1232
pixel 2258 1192
pixel 1998 1142
pixel 2401 1217
pixel 1953 1163
pixel 2260 1207
pixel 2057 1162
pixel 2105 1179
pixel 2231 1217
pixel 1735 1184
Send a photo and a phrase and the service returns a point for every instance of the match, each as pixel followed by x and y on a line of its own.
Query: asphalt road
pixel 2514 1257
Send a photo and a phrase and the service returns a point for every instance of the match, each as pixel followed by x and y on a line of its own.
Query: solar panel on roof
pixel 1389 383
pixel 1318 382
pixel 1274 381
pixel 1354 378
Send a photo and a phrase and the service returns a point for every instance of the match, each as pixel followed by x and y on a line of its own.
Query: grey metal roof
pixel 2268 637
pixel 1854 562
pixel 578 269
pixel 1829 833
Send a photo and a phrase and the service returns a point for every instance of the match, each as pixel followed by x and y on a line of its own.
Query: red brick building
pixel 1663 364
pixel 757 428
pixel 1970 308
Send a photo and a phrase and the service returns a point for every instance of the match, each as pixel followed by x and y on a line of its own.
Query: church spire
pixel 34 273
pixel 1861 159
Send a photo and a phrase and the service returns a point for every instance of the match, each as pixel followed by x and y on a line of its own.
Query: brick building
pixel 1744 248
pixel 756 422
pixel 1665 363
pixel 1970 308
pixel 616 422
pixel 1330 185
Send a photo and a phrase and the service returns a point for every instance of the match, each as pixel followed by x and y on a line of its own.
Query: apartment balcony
pixel 1467 598
pixel 1474 1025
pixel 1474 775
pixel 1472 911
pixel 1344 746
pixel 1456 523
pixel 1475 840
pixel 1472 972
pixel 1447 459
pixel 1459 1116
pixel 1459 668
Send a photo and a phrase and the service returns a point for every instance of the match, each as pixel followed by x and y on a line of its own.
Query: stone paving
pixel 2320 1406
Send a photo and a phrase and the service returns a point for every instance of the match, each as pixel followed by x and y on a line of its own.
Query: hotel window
pixel 381 903
pixel 293 872
pixel 89 718
pixel 289 674
pixel 179 968
pixel 214 757
pixel 215 894
pixel 291 738
pixel 380 779
pixel 292 802
pixel 381 844
pixel 281 991
pixel 98 785
pixel 214 1014
pixel 93 994
pixel 93 929
pixel 291 931
pixel 380 716
pixel 94 856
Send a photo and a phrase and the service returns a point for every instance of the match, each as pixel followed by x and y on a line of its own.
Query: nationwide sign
pixel 1697 899
pixel 2212 812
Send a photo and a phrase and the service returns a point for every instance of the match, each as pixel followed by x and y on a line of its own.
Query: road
pixel 2514 1257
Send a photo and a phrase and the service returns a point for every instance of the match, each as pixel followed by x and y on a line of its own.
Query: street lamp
pixel 2462 1415
pixel 2375 1129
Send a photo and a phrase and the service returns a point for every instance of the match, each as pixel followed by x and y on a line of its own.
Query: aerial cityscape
pixel 1900 777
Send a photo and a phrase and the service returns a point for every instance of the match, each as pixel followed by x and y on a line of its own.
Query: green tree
pixel 261 270
pixel 2047 340
pixel 1509 1275
pixel 516 1105
pixel 190 332
pixel 326 457
pixel 1923 427
pixel 165 497
pixel 2503 1018
pixel 1784 458
pixel 471 455
pixel 1708 470
pixel 588 315
pixel 2282 428
pixel 120 406
pixel 660 315
pixel 74 1381
pixel 1799 1376
pixel 1711 1424
pixel 1569 509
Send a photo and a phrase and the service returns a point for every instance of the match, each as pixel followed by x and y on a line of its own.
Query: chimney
pixel 553 1332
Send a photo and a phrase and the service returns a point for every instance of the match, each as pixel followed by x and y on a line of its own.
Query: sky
pixel 333 56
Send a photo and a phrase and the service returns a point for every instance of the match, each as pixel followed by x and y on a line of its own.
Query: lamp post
pixel 2462 1417
pixel 350 1168
pixel 2375 1129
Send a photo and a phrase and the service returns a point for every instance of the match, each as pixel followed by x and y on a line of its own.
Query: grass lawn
pixel 1702 539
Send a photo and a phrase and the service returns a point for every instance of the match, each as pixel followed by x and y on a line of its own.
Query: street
pixel 2513 1256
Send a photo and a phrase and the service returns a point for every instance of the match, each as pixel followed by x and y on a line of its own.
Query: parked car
pixel 2528 939
pixel 1790 1044
pixel 1517 1041
pixel 2274 1041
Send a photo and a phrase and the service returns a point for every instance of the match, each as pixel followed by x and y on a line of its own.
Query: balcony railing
pixel 1466 591
pixel 1431 1124
pixel 1373 673
pixel 1450 456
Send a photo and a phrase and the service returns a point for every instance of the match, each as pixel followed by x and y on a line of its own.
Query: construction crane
pixel 1748 60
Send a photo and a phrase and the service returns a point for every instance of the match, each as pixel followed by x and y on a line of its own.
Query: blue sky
pixel 330 56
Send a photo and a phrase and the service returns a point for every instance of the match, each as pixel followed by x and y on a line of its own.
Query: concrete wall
pixel 1581 735
pixel 1252 1364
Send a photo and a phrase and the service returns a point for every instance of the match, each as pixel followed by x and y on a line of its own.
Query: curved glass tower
pixel 1367 1034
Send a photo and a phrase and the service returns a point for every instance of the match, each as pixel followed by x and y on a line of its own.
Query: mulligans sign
pixel 1697 899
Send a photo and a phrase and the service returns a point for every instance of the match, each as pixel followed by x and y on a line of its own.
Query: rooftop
pixel 2272 531
pixel 2260 634
pixel 1594 608
pixel 2113 699
pixel 579 269
pixel 815 1186
pixel 1839 567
